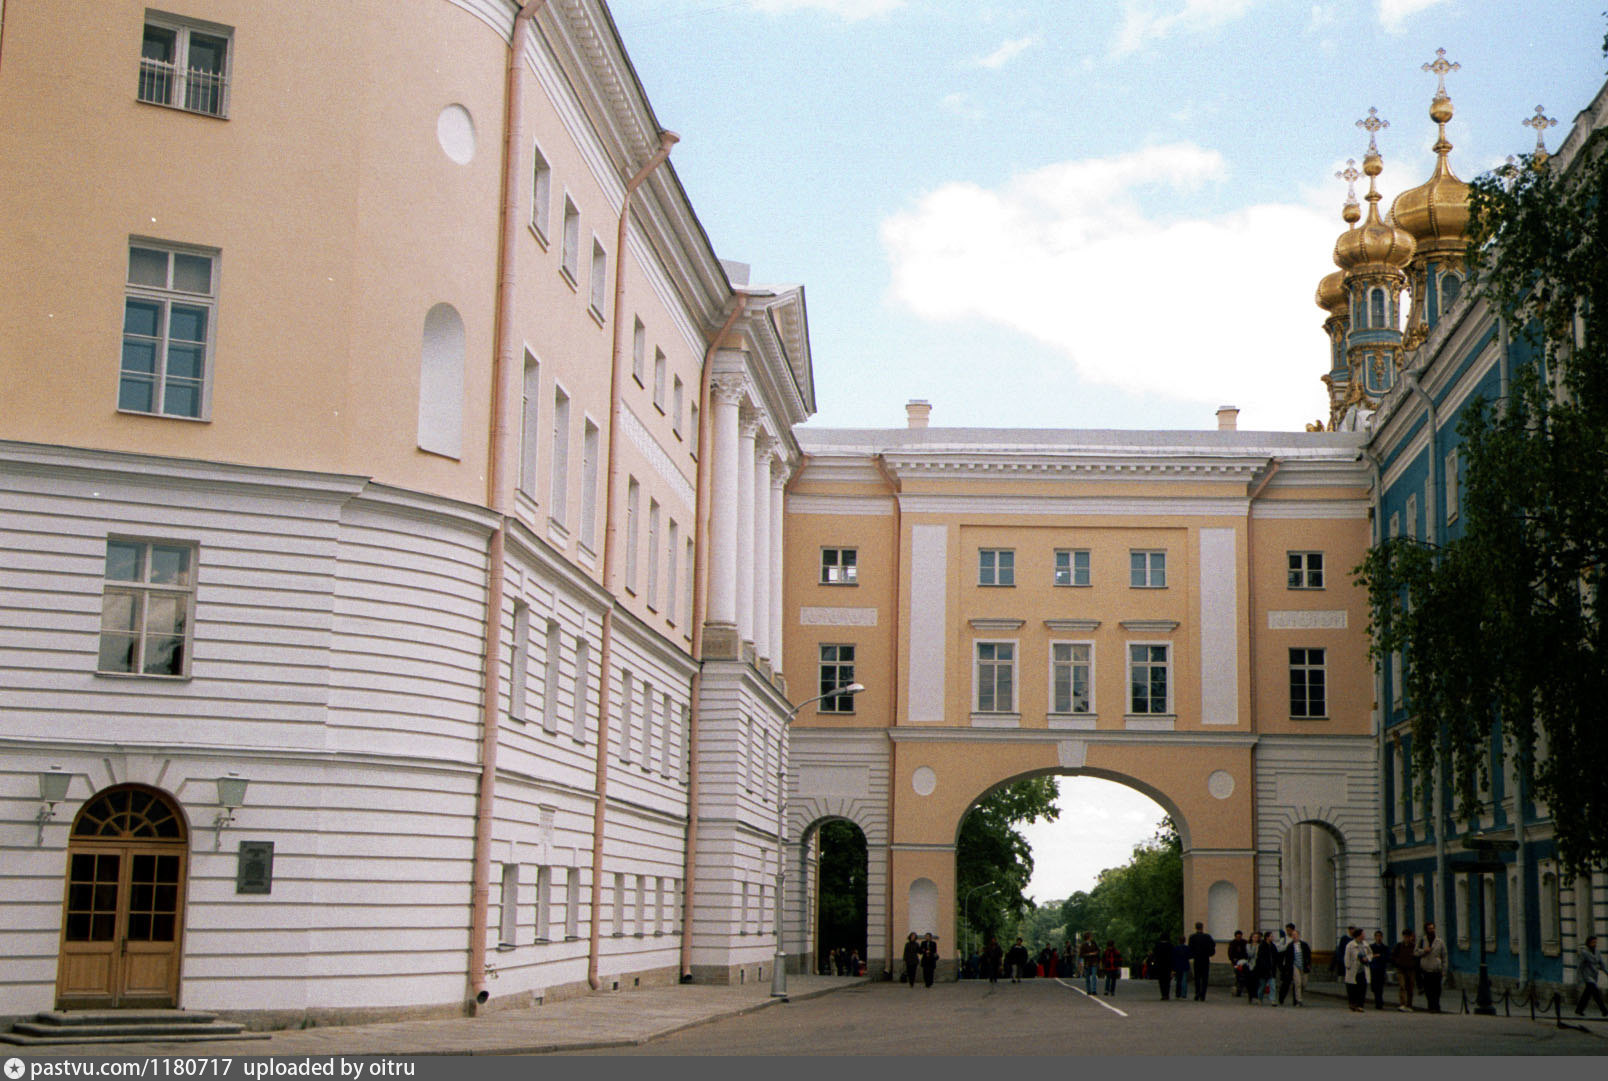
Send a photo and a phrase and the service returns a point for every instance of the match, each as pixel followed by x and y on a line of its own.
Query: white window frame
pixel 541 194
pixel 660 367
pixel 840 566
pixel 672 552
pixel 1069 568
pixel 1412 516
pixel 678 397
pixel 544 903
pixel 530 432
pixel 179 74
pixel 508 908
pixel 649 700
pixel 1450 479
pixel 1071 664
pixel 996 665
pixel 633 505
pixel 1153 573
pixel 552 667
pixel 598 288
pixel 590 442
pixel 638 924
pixel 1303 570
pixel 582 693
pixel 1167 666
pixel 558 492
pixel 653 554
pixel 570 258
pixel 996 567
pixel 627 721
pixel 842 704
pixel 619 904
pixel 519 662
pixel 639 351
pixel 165 297
pixel 572 904
pixel 1305 667
pixel 143 590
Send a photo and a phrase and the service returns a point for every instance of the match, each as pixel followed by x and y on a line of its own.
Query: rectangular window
pixel 619 904
pixel 1451 486
pixel 671 554
pixel 653 553
pixel 168 314
pixel 578 717
pixel 667 742
pixel 649 740
pixel 1071 566
pixel 541 194
pixel 1149 668
pixel 839 566
pixel 572 903
pixel 508 906
pixel 600 276
pixel 661 908
pixel 558 498
pixel 633 501
pixel 627 722
pixel 639 351
pixel 1147 569
pixel 641 922
pixel 185 65
pixel 1308 689
pixel 692 429
pixel 589 452
pixel 996 567
pixel 1395 526
pixel 570 259
pixel 544 900
pixel 1412 517
pixel 837 670
pixel 529 432
pixel 1071 667
pixel 555 640
pixel 147 604
pixel 658 379
pixel 678 394
pixel 686 599
pixel 519 666
pixel 996 677
pixel 1305 570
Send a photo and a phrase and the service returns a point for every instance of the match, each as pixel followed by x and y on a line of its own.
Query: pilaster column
pixel 747 427
pixel 778 480
pixel 725 393
pixel 764 445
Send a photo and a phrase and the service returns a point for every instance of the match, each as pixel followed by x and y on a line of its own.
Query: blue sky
pixel 1076 214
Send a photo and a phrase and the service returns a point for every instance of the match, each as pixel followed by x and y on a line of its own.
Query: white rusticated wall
pixel 836 774
pixel 1332 780
pixel 336 646
pixel 739 714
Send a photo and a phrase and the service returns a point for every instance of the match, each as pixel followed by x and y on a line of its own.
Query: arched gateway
pixel 123 906
pixel 1168 610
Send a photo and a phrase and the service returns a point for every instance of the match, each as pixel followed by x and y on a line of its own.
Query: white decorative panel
pixel 648 447
pixel 1219 636
pixel 1307 621
pixel 1071 753
pixel 923 907
pixel 1222 910
pixel 1310 789
pixel 924 781
pixel 1220 784
pixel 929 585
pixel 837 617
pixel 846 781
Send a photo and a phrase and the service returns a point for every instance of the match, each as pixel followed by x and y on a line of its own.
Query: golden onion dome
pixel 1332 296
pixel 1375 241
pixel 1436 212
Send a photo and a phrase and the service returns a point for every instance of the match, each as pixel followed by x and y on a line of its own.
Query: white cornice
pixel 880 505
pixel 843 469
pixel 1052 466
pixel 1149 626
pixel 149 469
pixel 1072 626
pixel 949 734
pixel 995 625
pixel 1136 506
pixel 1293 509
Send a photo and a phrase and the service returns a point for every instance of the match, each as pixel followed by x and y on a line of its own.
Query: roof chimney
pixel 917 412
pixel 1228 418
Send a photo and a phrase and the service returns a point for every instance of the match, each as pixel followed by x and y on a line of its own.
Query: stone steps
pixel 59 1027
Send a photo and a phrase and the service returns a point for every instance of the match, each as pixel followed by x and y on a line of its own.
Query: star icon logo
pixel 15 1068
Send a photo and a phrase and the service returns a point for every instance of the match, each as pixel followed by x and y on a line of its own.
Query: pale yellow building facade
pixel 1170 610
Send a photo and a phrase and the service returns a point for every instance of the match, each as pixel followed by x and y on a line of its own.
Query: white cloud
pixel 850 10
pixel 1393 14
pixel 1007 52
pixel 960 104
pixel 1100 823
pixel 1144 21
pixel 1207 309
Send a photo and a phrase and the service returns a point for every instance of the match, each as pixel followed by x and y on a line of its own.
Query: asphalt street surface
pixel 1050 1017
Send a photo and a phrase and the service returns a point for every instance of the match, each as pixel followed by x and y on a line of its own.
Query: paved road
pixel 1045 1017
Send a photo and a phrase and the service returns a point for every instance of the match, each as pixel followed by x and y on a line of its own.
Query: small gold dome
pixel 1372 242
pixel 1331 295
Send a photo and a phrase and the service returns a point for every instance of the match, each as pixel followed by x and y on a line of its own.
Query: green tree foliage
pixel 993 861
pixel 843 887
pixel 1501 627
pixel 1137 903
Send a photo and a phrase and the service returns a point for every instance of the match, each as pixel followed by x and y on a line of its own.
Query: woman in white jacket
pixel 1356 971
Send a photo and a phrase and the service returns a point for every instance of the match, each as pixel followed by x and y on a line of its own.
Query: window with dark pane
pixel 837 670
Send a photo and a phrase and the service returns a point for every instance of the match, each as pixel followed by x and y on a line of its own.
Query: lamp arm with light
pixel 779 962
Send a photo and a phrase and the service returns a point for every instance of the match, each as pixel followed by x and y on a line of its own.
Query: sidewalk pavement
pixel 599 1020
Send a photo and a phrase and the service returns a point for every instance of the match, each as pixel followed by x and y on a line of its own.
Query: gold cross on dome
pixel 1372 125
pixel 1350 175
pixel 1440 66
pixel 1540 122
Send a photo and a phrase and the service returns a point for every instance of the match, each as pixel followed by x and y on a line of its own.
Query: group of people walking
pixel 920 956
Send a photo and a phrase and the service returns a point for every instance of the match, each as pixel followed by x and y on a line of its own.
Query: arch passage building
pixel 1167 609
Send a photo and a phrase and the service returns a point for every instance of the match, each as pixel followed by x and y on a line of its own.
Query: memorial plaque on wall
pixel 255 871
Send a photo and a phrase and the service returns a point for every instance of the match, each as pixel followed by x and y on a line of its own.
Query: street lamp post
pixel 965 915
pixel 779 963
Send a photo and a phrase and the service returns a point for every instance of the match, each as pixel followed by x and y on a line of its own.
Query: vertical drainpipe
pixel 1439 796
pixel 503 363
pixel 895 621
pixel 667 139
pixel 1250 619
pixel 700 568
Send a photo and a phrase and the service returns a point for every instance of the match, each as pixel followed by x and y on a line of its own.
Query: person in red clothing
pixel 1111 964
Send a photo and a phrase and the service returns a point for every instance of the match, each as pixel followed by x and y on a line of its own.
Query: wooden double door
pixel 123 912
